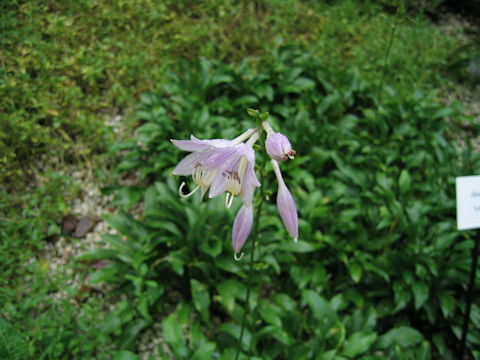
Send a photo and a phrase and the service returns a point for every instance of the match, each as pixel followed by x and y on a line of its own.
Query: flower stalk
pixel 228 166
pixel 252 255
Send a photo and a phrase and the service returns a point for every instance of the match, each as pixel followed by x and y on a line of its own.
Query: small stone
pixel 85 224
pixel 69 224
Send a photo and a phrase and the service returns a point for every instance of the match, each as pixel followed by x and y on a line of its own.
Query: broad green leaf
pixel 298 247
pixel 184 312
pixel 201 298
pixel 234 331
pixel 327 355
pixel 355 270
pixel 205 351
pixel 447 303
pixel 320 308
pixel 171 329
pixel 423 352
pixel 403 336
pixel 131 332
pixel 270 313
pixel 401 295
pixel 358 343
pixel 285 302
pixel 420 292
pixel 276 333
pixel 197 336
pixel 404 181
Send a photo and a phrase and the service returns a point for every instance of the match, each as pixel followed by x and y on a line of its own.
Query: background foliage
pixel 380 270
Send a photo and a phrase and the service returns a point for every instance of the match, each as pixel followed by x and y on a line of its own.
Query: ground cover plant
pixel 379 270
pixel 58 85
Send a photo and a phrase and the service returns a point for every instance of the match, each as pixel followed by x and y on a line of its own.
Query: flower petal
pixel 242 227
pixel 278 146
pixel 218 185
pixel 195 144
pixel 250 181
pixel 286 204
pixel 288 210
pixel 220 158
pixel 186 166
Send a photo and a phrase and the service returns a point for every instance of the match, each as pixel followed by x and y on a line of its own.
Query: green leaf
pixel 403 336
pixel 229 291
pixel 327 355
pixel 319 306
pixel 447 303
pixel 184 312
pixel 423 352
pixel 420 292
pixel 171 330
pixel 205 351
pixel 401 295
pixel 404 181
pixel 131 333
pixel 355 270
pixel 201 298
pixel 298 247
pixel 270 313
pixel 358 343
pixel 253 112
pixel 443 113
pixel 197 336
pixel 276 333
pixel 234 331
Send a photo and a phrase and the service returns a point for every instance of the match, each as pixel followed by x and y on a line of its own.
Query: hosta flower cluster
pixel 228 166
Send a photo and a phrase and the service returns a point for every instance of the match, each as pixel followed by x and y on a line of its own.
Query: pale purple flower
pixel 279 147
pixel 242 226
pixel 219 165
pixel 286 204
pixel 223 166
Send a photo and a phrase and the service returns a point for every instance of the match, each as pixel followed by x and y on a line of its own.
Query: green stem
pixel 252 255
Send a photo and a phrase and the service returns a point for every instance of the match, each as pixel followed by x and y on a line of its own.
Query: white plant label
pixel 468 202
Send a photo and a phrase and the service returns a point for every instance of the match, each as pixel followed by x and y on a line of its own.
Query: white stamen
pixel 189 194
pixel 229 202
pixel 291 157
pixel 238 258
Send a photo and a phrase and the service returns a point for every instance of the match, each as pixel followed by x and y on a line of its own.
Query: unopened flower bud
pixel 279 147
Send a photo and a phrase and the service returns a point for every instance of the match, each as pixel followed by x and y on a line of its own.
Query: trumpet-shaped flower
pixel 286 204
pixel 242 226
pixel 223 166
pixel 219 165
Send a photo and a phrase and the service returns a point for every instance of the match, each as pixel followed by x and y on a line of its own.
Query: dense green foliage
pixel 379 272
pixel 380 268
pixel 60 81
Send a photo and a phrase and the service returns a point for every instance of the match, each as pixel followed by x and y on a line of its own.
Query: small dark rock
pixel 69 224
pixel 85 224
